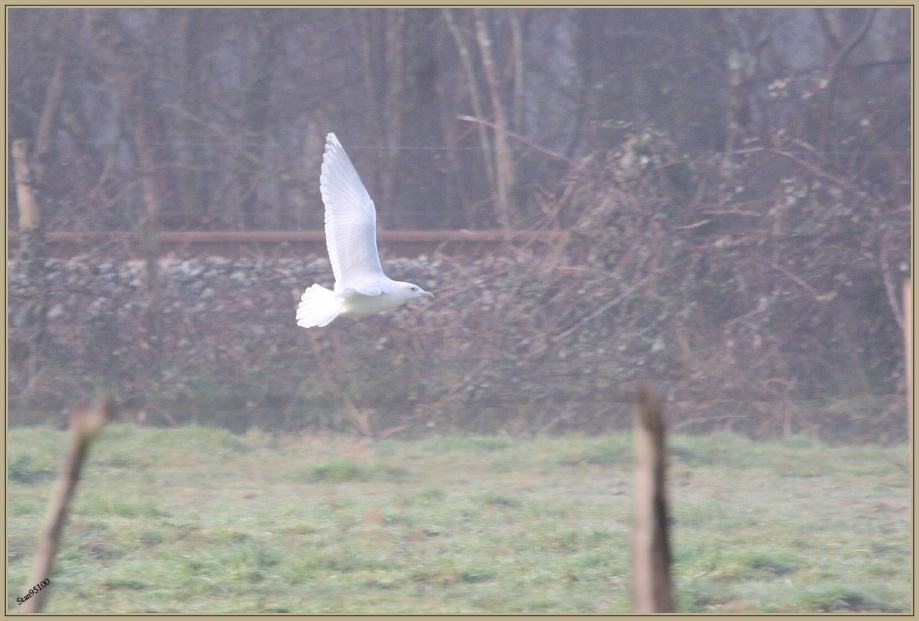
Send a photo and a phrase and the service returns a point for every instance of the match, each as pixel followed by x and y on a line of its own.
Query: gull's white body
pixel 361 287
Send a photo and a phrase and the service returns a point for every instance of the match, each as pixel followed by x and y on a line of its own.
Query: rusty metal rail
pixel 65 244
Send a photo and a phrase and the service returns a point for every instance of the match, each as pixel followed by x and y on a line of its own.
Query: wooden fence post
pixel 31 316
pixel 908 352
pixel 25 199
pixel 652 589
pixel 85 423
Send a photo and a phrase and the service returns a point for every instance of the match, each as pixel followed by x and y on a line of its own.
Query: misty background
pixel 715 200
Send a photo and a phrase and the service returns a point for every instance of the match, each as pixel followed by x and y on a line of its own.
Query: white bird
pixel 361 287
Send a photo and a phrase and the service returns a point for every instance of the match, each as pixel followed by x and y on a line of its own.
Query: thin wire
pixel 100 143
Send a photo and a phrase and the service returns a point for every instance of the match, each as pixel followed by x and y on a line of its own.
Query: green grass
pixel 199 520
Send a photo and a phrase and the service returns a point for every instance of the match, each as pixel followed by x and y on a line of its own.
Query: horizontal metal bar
pixel 234 237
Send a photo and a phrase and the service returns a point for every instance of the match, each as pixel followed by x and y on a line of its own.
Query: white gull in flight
pixel 361 287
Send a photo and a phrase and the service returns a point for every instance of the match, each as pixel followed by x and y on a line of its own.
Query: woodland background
pixel 724 196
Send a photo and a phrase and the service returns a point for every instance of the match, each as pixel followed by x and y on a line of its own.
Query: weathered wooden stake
pixel 652 590
pixel 908 352
pixel 28 206
pixel 85 423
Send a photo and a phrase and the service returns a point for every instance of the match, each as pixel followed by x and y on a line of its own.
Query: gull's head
pixel 411 291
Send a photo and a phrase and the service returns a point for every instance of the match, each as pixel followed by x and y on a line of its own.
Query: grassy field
pixel 199 520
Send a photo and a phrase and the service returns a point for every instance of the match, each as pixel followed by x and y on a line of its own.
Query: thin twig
pixel 792 276
pixel 810 167
pixel 463 117
pixel 608 305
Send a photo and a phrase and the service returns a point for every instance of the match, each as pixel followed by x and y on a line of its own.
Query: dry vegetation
pixel 731 189
pixel 755 291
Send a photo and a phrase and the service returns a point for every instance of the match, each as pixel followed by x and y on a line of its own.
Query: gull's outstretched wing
pixel 350 223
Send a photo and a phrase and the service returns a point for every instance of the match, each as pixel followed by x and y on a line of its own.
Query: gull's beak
pixel 427 294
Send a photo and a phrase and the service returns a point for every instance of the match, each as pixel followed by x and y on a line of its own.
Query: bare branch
pixel 515 136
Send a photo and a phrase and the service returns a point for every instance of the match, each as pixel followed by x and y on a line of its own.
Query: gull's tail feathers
pixel 318 307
